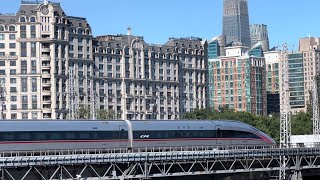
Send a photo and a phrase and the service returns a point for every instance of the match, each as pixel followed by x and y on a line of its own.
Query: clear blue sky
pixel 157 20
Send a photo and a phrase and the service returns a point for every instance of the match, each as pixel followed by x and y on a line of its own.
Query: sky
pixel 157 20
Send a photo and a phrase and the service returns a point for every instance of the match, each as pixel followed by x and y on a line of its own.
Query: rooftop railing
pixel 24 2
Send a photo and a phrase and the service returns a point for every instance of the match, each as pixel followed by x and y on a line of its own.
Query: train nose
pixel 268 138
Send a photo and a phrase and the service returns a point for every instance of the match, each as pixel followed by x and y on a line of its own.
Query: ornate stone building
pixel 38 45
pixel 144 81
pixel 41 46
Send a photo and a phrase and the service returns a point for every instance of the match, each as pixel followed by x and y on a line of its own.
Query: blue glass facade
pixel 296 80
pixel 257 51
pixel 236 22
pixel 213 49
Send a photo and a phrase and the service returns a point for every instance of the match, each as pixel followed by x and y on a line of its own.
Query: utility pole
pixel 315 108
pixel 71 94
pixel 285 123
pixel 92 101
pixel 2 100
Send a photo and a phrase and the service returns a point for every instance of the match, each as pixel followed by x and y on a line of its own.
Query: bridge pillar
pixel 297 175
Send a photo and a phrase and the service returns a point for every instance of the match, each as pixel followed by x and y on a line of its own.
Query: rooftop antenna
pixel 129 31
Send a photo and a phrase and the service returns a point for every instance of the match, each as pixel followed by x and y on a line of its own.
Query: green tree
pixel 83 112
pixel 103 114
pixel 302 123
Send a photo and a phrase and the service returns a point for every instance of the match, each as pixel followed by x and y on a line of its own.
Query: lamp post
pixel 2 100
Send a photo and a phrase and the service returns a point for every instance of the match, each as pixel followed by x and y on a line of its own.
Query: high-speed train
pixel 25 135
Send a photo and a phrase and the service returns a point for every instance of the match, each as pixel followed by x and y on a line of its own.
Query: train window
pixel 84 135
pixel 94 135
pixel 55 136
pixel 7 136
pixel 23 136
pixel 38 136
pixel 70 135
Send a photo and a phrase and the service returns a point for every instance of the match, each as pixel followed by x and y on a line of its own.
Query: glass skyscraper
pixel 236 21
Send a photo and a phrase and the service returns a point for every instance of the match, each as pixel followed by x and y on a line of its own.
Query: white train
pixel 26 135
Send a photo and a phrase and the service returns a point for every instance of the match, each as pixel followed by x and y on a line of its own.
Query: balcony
pixel 129 112
pixel 45 49
pixel 45 58
pixel 46 73
pixel 149 111
pixel 149 95
pixel 46 65
pixel 47 115
pixel 46 83
pixel 129 96
pixel 47 107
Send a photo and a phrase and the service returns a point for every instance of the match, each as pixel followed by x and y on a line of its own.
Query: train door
pixel 218 135
pixel 123 136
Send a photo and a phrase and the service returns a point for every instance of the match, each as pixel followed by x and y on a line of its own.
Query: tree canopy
pixel 101 114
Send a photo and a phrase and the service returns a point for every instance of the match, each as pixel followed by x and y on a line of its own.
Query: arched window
pixel 1 28
pixel 12 28
pixel 22 19
pixel 32 19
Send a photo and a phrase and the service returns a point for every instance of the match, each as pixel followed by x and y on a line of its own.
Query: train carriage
pixel 30 135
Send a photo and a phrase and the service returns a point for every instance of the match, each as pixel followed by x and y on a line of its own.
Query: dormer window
pixel 12 28
pixel 32 19
pixel 22 19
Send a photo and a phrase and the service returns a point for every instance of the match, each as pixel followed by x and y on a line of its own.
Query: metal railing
pixel 57 152
pixel 124 150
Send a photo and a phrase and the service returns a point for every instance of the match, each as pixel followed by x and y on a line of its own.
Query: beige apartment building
pixel 303 67
pixel 40 46
pixel 138 80
pixel 310 48
pixel 37 46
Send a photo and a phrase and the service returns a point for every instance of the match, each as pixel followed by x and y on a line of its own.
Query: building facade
pixel 259 34
pixel 310 48
pixel 296 82
pixel 238 81
pixel 144 81
pixel 38 44
pixel 273 81
pixel 272 70
pixel 236 22
pixel 51 63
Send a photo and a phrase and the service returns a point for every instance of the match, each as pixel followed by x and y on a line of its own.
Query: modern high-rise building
pixel 237 81
pixel 40 46
pixel 296 82
pixel 273 81
pixel 259 34
pixel 272 70
pixel 236 22
pixel 310 48
pixel 303 67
